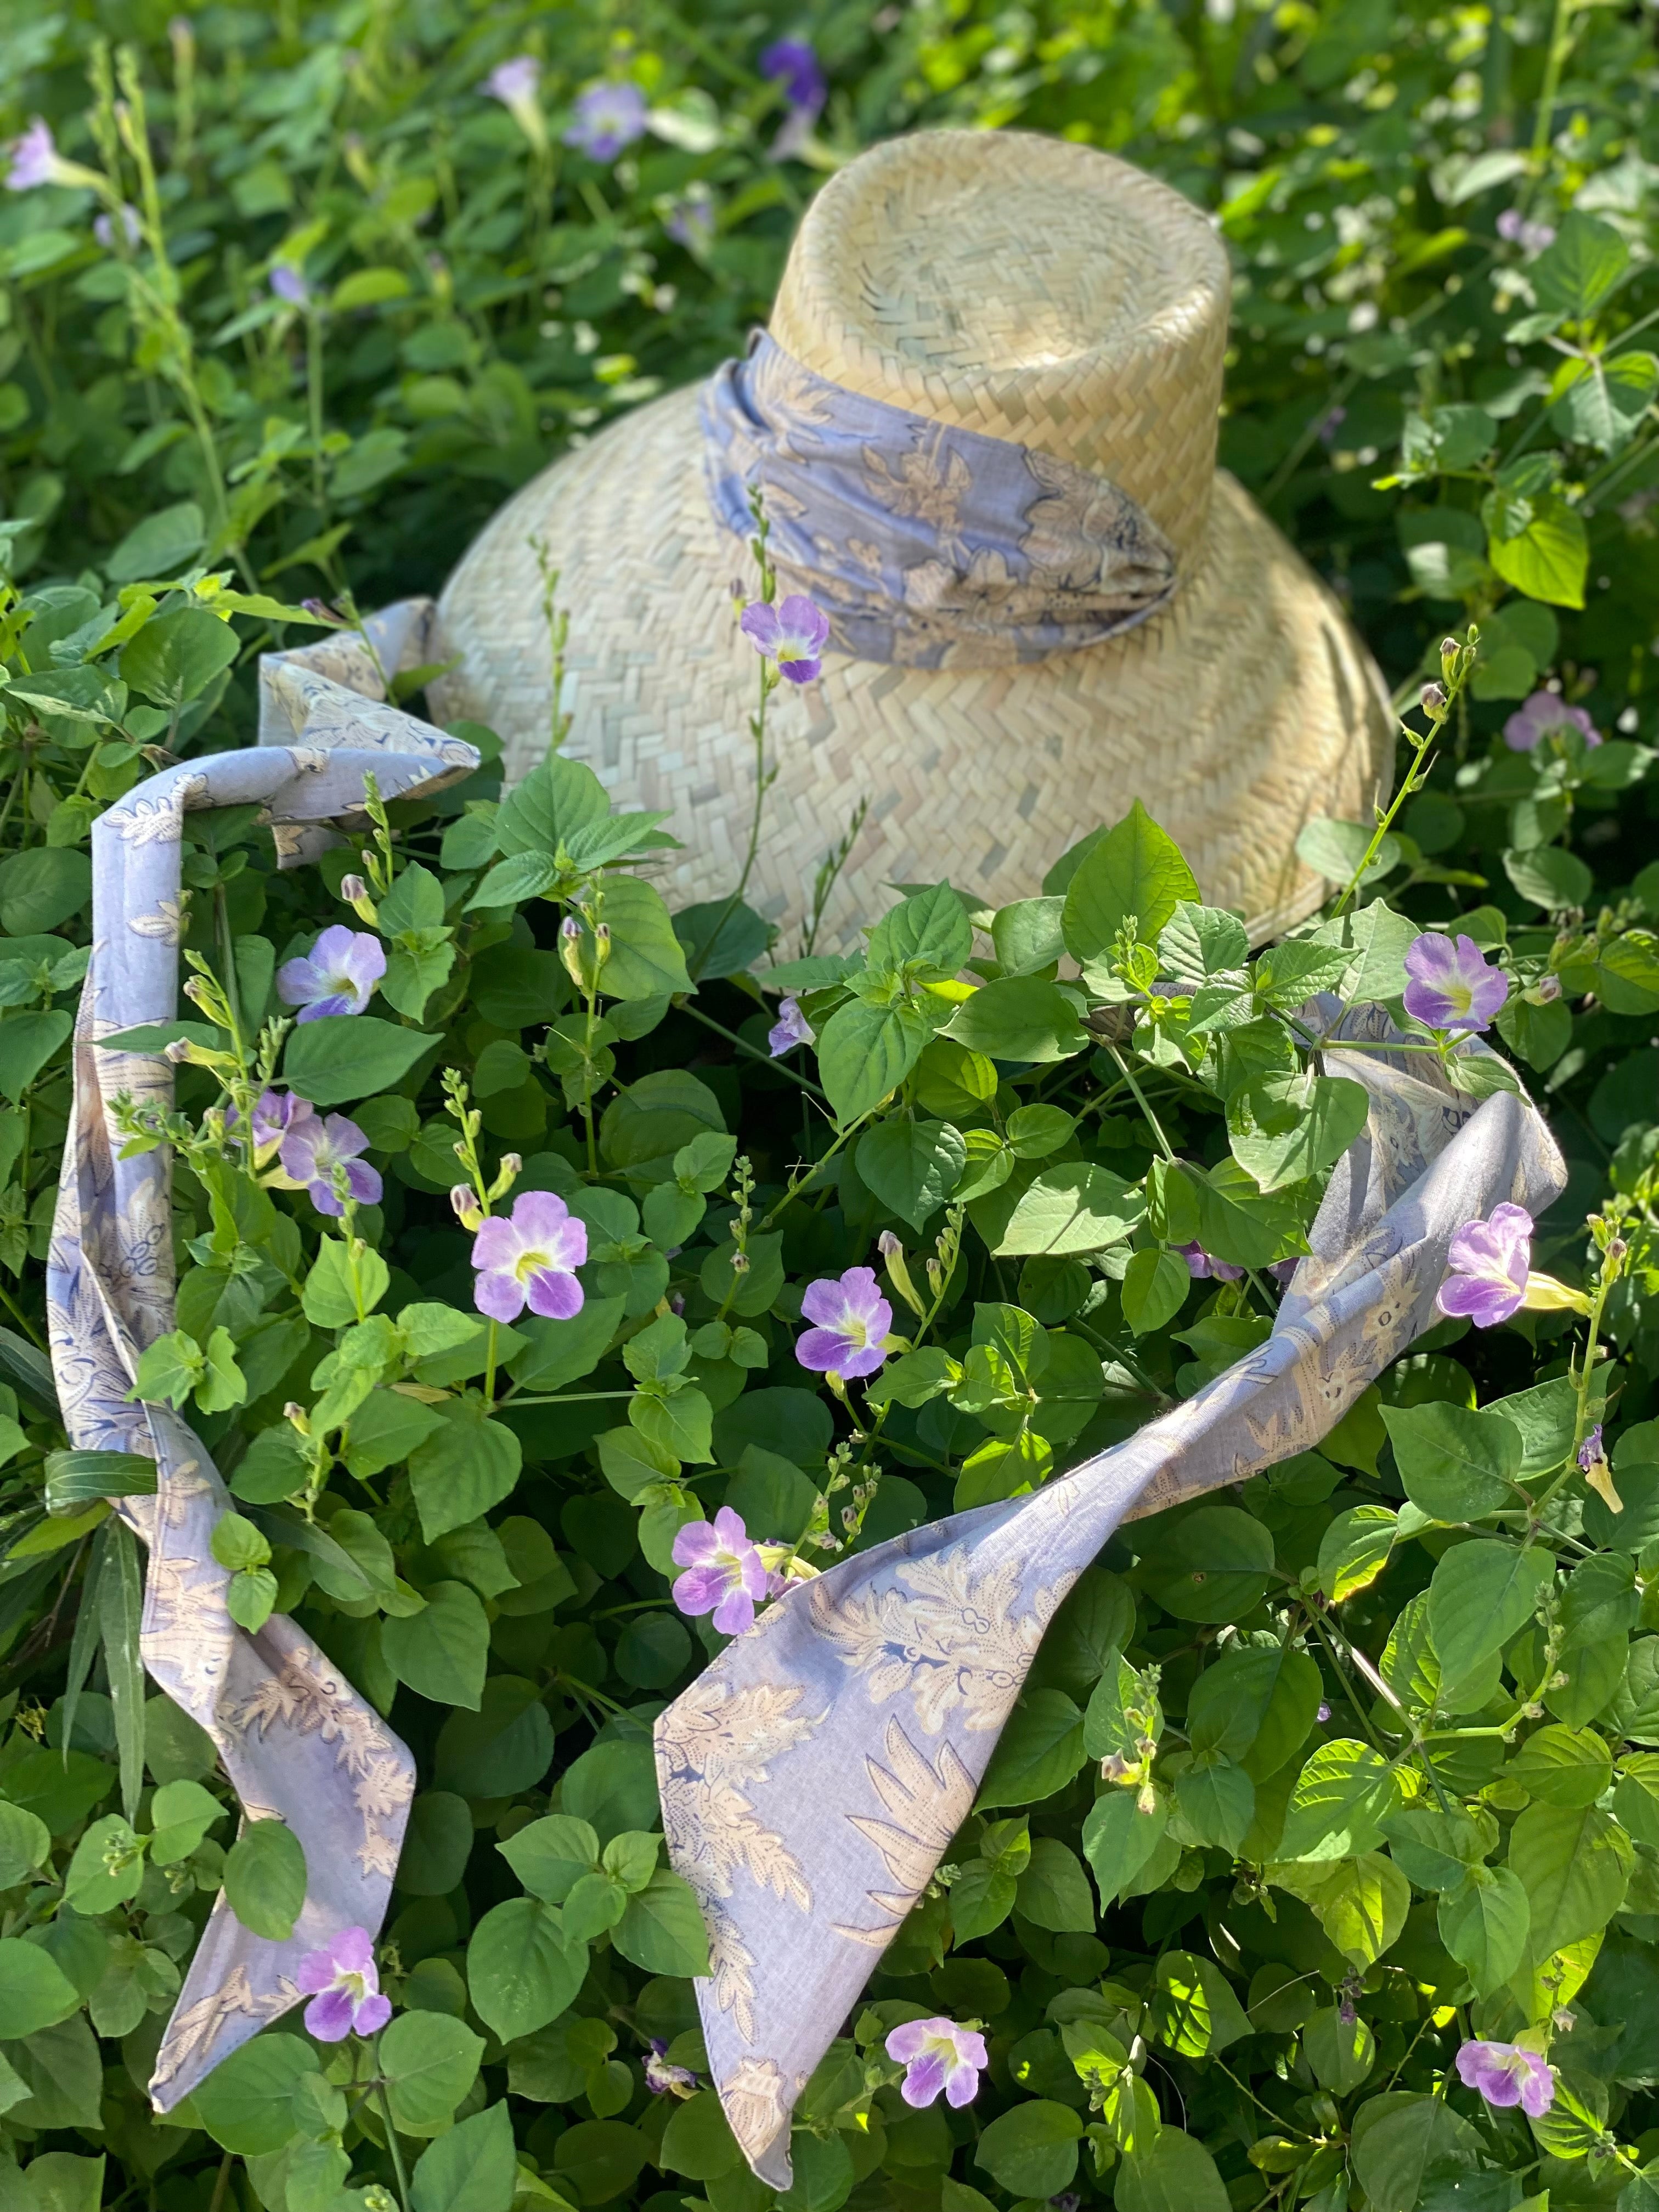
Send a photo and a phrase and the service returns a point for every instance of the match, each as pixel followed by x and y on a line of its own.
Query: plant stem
pixel 393 2144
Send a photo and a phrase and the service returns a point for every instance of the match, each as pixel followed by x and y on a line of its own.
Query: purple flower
pixel 660 2077
pixel 1334 418
pixel 512 81
pixel 1532 238
pixel 312 1151
pixel 1547 714
pixel 275 1113
pixel 792 64
pixel 345 1988
pixel 852 1321
pixel 936 2054
pixel 103 226
pixel 35 160
pixel 1505 2075
pixel 288 283
pixel 609 117
pixel 1450 985
pixel 1488 1263
pixel 530 1258
pixel 1323 1712
pixel 793 635
pixel 724 1573
pixel 1200 1264
pixel 690 221
pixel 336 976
pixel 791 1028
pixel 1591 1453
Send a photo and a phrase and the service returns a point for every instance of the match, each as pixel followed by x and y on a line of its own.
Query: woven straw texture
pixel 1033 290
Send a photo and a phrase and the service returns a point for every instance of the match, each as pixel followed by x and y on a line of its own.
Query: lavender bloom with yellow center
pixel 336 976
pixel 312 1149
pixel 530 1258
pixel 793 635
pixel 936 2054
pixel 1592 1453
pixel 1545 715
pixel 1505 2076
pixel 609 118
pixel 852 1323
pixel 1450 985
pixel 345 1988
pixel 791 1028
pixel 1489 1262
pixel 725 1574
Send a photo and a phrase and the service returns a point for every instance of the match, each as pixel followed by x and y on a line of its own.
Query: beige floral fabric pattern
pixel 813 1776
pixel 295 1738
pixel 926 544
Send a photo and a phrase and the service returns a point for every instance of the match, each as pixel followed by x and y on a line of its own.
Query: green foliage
pixel 1313 1780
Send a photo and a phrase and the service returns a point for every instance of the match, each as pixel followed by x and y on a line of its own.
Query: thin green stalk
pixel 753 1050
pixel 393 2144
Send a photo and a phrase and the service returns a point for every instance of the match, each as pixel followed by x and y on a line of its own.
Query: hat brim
pixel 1240 713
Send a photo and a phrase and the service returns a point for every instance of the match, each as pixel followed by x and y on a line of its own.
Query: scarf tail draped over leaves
pixel 814 1774
pixel 295 1738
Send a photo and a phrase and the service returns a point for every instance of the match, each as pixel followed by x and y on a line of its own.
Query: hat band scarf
pixel 813 1776
pixel 295 1738
pixel 927 546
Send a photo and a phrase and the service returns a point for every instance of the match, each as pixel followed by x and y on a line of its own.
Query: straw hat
pixel 1037 292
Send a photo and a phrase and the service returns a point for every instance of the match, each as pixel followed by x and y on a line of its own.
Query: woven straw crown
pixel 995 281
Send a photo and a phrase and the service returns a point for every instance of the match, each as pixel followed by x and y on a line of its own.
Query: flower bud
pixel 465 1207
pixel 506 1175
pixel 1547 989
pixel 1434 700
pixel 1450 649
pixel 602 942
pixel 194 988
pixel 353 888
pixel 178 1051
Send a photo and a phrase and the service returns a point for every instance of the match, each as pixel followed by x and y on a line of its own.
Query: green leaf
pixel 1581 266
pixel 1482 1922
pixel 1020 1018
pixel 1407 2136
pixel 1119 1838
pixel 34 1992
pixel 339 1057
pixel 1031 2150
pixel 697 2142
pixel 1482 1594
pixel 1456 1464
pixel 1211 1566
pixel 865 1052
pixel 662 1928
pixel 1254 1705
pixel 176 656
pixel 646 959
pixel 1136 869
pixel 120 1615
pixel 912 1166
pixel 1342 1796
pixel 163 545
pixel 1040 1749
pixel 464 1468
pixel 550 1855
pixel 27 1041
pixel 441 1651
pixel 1053 1891
pixel 25 1842
pixel 1174 2173
pixel 1549 559
pixel 559 1353
pixel 1334 849
pixel 265 1879
pixel 181 1812
pixel 1573 1863
pixel 246 2104
pixel 329 1299
pixel 1217 1801
pixel 1354 1550
pixel 430 2060
pixel 1604 400
pixel 1192 2007
pixel 1561 1766
pixel 1550 876
pixel 522 1969
pixel 1155 1287
pixel 107 1867
pixel 1283 1129
pixel 41 887
pixel 473 2168
pixel 1074 1207
pixel 929 933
